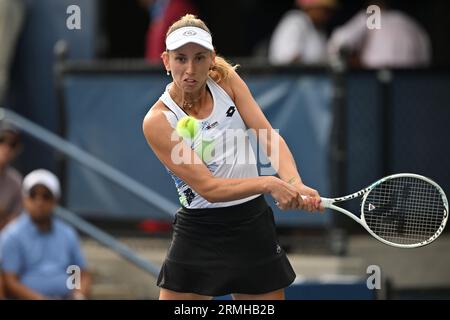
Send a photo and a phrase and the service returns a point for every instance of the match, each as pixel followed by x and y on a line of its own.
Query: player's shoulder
pixel 155 120
pixel 155 113
pixel 230 83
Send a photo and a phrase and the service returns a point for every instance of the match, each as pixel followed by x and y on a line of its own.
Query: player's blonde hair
pixel 222 68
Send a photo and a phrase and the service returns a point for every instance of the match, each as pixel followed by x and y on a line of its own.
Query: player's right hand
pixel 285 195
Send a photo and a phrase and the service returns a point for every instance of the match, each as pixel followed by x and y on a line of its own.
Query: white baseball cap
pixel 182 36
pixel 42 177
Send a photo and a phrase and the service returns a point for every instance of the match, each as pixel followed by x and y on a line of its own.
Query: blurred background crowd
pixel 92 85
pixel 259 29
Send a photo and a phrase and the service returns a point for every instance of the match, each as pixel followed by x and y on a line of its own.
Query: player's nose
pixel 190 67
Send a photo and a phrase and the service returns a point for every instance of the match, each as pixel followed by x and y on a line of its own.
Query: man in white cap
pixel 37 249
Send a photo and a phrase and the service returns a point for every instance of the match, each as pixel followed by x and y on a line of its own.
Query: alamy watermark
pixel 374 20
pixel 73 21
pixel 74 279
pixel 374 279
pixel 231 147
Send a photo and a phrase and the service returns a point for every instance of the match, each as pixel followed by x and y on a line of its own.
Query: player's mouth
pixel 190 81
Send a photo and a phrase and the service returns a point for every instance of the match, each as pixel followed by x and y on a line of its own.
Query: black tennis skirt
pixel 226 250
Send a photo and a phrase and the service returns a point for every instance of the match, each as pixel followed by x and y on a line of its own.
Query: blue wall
pixel 104 117
pixel 32 88
pixel 105 112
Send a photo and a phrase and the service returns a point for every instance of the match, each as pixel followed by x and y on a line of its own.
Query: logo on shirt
pixel 187 197
pixel 231 111
pixel 208 126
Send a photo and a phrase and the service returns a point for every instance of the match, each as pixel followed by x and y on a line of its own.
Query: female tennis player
pixel 224 238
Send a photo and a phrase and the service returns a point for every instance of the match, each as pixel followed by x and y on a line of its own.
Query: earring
pixel 168 72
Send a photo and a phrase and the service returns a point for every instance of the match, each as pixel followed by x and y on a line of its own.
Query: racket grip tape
pixel 325 202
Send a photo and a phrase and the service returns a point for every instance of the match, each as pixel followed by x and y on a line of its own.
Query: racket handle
pixel 325 202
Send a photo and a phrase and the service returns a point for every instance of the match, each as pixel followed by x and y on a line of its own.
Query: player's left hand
pixel 311 198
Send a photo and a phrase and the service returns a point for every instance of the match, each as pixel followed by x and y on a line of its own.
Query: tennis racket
pixel 402 210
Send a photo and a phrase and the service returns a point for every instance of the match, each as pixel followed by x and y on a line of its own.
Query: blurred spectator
pixel 400 43
pixel 163 14
pixel 300 36
pixel 122 40
pixel 2 291
pixel 37 249
pixel 10 179
pixel 11 19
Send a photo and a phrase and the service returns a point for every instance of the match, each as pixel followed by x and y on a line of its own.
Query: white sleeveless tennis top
pixel 221 142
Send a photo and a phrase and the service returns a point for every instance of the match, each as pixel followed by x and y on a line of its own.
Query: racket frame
pixel 330 203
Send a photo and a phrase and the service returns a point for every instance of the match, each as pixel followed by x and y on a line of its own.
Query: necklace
pixel 187 102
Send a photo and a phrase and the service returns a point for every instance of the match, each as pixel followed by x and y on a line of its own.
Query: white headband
pixel 185 35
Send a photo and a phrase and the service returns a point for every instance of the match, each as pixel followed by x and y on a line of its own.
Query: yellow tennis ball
pixel 187 127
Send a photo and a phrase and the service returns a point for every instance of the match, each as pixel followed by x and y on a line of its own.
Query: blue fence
pixel 104 116
pixel 104 112
pixel 396 128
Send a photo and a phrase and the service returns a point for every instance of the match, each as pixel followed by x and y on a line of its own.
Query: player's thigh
pixel 274 295
pixel 165 294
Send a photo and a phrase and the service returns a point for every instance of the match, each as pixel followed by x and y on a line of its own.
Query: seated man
pixel 37 249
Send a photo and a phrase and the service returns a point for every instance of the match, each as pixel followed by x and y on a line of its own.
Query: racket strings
pixel 404 210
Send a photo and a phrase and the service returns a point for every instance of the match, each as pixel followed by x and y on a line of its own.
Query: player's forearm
pixel 288 169
pixel 283 161
pixel 223 189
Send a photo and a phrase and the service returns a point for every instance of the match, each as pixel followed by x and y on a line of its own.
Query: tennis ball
pixel 187 127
